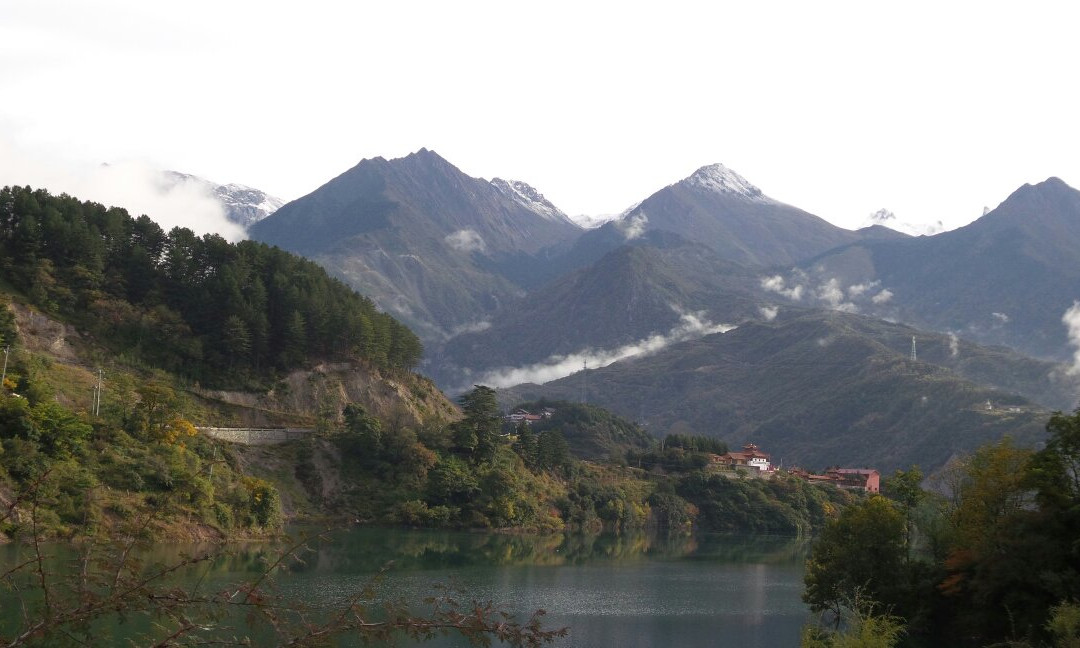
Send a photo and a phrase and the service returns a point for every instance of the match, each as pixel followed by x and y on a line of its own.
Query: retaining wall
pixel 256 436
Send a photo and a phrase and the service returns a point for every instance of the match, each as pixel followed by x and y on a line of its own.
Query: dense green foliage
pixel 591 432
pixel 199 307
pixel 782 504
pixel 534 476
pixel 678 452
pixel 994 560
pixel 141 465
pixel 461 475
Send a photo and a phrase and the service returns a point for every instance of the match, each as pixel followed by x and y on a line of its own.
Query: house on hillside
pixel 867 480
pixel 864 479
pixel 750 457
pixel 523 416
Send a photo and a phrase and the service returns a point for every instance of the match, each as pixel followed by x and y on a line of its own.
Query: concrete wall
pixel 256 436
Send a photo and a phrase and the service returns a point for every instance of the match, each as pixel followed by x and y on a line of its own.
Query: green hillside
pixel 198 307
pixel 818 389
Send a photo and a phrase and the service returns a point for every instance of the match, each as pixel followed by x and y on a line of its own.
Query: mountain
pixel 429 244
pixel 638 295
pixel 1006 278
pixel 719 208
pixel 822 388
pixel 243 205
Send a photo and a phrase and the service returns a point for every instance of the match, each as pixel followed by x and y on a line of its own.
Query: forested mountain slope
pixel 198 307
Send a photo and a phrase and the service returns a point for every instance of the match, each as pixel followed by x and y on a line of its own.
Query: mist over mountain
pixel 1007 278
pixel 821 388
pixel 886 218
pixel 435 247
pixel 243 205
pixel 650 286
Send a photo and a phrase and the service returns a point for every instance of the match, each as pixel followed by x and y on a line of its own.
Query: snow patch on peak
pixel 527 196
pixel 257 204
pixel 243 205
pixel 589 221
pixel 720 179
pixel 886 218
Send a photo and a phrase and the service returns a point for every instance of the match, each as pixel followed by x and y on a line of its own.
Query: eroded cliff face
pixel 303 398
pixel 318 395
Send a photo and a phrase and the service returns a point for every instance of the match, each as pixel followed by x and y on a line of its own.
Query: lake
pixel 629 590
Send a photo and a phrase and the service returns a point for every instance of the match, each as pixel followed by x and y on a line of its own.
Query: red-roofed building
pixel 865 479
pixel 750 457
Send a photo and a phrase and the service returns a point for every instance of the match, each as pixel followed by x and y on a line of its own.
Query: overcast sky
pixel 931 109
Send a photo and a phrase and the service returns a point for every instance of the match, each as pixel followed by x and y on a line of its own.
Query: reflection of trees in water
pixel 753 549
pixel 367 550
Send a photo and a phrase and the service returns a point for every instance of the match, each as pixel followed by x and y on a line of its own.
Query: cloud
pixel 466 240
pixel 777 285
pixel 769 312
pixel 471 327
pixel 137 186
pixel 832 294
pixel 1001 317
pixel 692 325
pixel 954 345
pixel 858 289
pixel 882 297
pixel 634 226
pixel 1071 319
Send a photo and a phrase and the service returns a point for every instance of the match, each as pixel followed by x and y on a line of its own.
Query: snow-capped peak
pixel 255 203
pixel 243 205
pixel 719 178
pixel 528 197
pixel 888 219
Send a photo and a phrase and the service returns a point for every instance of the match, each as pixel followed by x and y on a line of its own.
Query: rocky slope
pixel 436 248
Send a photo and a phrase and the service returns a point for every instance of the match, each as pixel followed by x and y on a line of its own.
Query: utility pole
pixel 97 394
pixel 3 376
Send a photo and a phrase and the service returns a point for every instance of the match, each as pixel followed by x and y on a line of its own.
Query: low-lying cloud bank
pixel 1071 319
pixel 692 325
pixel 136 186
pixel 828 292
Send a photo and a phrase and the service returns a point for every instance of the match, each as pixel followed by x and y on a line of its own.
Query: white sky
pixel 931 109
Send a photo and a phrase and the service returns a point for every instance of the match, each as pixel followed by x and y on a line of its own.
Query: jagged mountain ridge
pixel 820 388
pixel 1007 278
pixel 428 243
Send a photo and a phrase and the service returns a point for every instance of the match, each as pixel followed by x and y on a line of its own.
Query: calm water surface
pixel 610 590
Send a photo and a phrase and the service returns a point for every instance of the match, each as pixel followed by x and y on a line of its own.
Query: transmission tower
pixel 584 380
pixel 914 356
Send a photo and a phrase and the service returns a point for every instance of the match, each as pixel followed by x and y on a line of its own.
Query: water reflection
pixel 368 549
pixel 637 589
